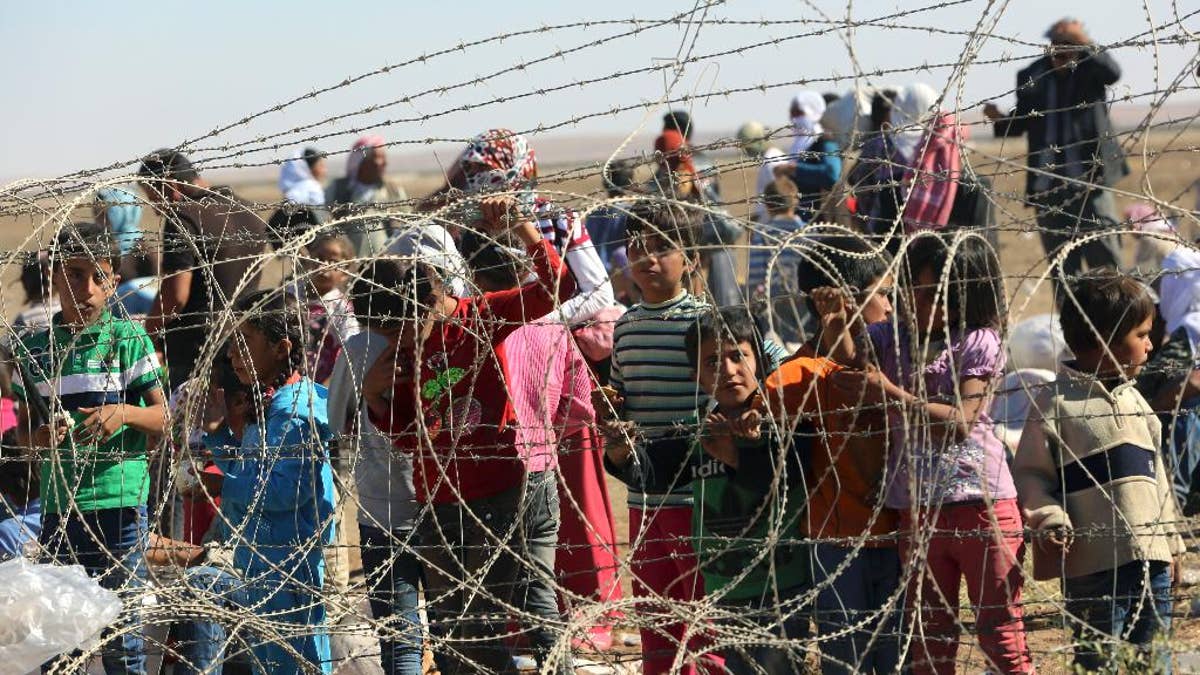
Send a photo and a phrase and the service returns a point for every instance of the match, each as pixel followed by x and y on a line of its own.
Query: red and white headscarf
pixel 512 163
pixel 359 151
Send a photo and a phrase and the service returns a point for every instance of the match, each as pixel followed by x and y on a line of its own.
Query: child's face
pixel 877 306
pixel 927 312
pixel 657 266
pixel 84 287
pixel 255 358
pixel 328 266
pixel 727 371
pixel 1133 350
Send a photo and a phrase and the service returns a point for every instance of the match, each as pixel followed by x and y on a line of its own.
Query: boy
pixel 774 254
pixel 856 567
pixel 439 391
pixel 102 371
pixel 750 491
pixel 655 388
pixel 386 502
pixel 1089 462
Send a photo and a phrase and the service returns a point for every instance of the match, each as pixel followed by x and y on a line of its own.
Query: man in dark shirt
pixel 1073 155
pixel 210 241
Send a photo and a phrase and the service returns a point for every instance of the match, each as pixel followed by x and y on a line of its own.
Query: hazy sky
pixel 91 84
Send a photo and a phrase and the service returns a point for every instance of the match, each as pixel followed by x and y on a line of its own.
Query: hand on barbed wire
pixel 1056 540
pixel 102 423
pixel 832 303
pixel 607 403
pixel 868 386
pixel 382 377
pixel 50 436
pixel 214 410
pixel 500 213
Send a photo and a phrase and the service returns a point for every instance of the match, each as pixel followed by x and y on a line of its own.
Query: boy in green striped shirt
pixel 91 392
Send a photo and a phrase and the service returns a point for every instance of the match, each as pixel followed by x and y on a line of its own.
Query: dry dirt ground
pixel 1165 165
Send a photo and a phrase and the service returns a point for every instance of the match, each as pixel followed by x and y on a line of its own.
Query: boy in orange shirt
pixel 856 566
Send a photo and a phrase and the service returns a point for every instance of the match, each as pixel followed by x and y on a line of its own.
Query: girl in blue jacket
pixel 277 502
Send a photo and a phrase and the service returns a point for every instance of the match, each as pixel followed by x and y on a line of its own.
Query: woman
pixel 815 164
pixel 677 179
pixel 301 176
pixel 934 162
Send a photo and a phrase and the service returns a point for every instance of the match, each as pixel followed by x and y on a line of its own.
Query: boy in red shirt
pixel 440 392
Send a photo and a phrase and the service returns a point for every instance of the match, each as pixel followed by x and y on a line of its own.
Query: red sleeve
pixel 512 308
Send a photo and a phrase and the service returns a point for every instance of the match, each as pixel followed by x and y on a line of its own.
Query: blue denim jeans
pixel 847 598
pixel 394 576
pixel 1131 603
pixel 204 641
pixel 538 595
pixel 110 545
pixel 785 620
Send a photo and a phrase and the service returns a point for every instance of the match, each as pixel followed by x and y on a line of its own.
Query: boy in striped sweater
pixel 655 387
pixel 1090 476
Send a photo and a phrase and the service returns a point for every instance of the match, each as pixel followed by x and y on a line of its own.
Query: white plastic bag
pixel 47 610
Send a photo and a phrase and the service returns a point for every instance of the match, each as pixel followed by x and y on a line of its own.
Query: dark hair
pixel 841 261
pixel 881 107
pixel 311 156
pixel 87 240
pixel 168 164
pixel 732 323
pixel 292 220
pixel 678 120
pixel 668 220
pixel 780 195
pixel 829 97
pixel 279 317
pixel 388 292
pixel 335 237
pixel 491 260
pixel 1103 306
pixel 618 176
pixel 20 476
pixel 224 376
pixel 974 292
pixel 35 278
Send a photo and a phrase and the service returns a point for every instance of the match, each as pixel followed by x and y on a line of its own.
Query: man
pixel 365 187
pixel 210 240
pixel 1073 152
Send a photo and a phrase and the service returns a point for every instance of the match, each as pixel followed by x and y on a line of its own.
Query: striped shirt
pixel 110 361
pixel 651 371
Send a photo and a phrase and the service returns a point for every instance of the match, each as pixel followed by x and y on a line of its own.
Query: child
pixel 1089 462
pixel 750 490
pixel 948 472
pixel 856 567
pixel 549 385
pixel 276 498
pixel 439 391
pixel 774 253
pixel 655 388
pixel 20 507
pixel 40 306
pixel 383 480
pixel 102 371
pixel 323 291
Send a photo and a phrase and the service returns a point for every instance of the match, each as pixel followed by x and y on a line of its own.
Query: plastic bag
pixel 47 610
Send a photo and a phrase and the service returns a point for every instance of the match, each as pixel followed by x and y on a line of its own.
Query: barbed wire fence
pixel 283 568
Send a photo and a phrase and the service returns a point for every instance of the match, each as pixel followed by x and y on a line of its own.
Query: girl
pixel 276 499
pixel 323 291
pixel 947 471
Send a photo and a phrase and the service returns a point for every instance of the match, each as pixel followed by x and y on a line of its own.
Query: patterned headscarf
pixel 512 162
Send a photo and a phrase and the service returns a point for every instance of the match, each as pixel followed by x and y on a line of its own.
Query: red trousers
pixel 664 568
pixel 965 542
pixel 586 561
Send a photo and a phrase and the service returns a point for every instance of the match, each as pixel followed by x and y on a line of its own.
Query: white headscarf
pixel 297 184
pixel 808 126
pixel 1179 293
pixel 913 107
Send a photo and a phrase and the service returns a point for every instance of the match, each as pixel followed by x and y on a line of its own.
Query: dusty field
pixel 1166 166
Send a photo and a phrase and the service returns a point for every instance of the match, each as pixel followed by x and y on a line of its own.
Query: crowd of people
pixel 442 387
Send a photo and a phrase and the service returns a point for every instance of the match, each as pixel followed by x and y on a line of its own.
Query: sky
pixel 96 85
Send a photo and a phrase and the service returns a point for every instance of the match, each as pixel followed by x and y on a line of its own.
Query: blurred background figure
pixel 301 178
pixel 752 137
pixel 366 189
